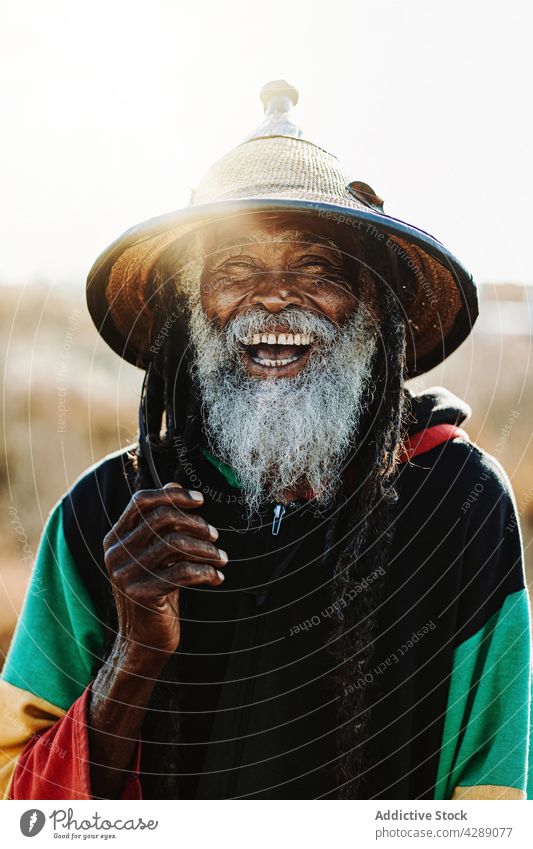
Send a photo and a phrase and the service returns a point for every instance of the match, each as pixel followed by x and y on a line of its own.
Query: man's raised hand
pixel 157 546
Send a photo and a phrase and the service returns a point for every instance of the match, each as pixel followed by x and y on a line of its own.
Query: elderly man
pixel 304 581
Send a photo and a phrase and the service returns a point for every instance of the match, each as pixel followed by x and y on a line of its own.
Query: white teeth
pixel 273 363
pixel 280 339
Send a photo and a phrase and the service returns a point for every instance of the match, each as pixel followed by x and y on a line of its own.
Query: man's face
pixel 273 263
pixel 284 334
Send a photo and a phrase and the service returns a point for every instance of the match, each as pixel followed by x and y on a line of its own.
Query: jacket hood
pixel 436 406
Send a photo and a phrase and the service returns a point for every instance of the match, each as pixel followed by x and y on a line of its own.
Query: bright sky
pixel 113 109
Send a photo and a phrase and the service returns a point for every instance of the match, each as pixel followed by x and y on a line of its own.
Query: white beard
pixel 279 433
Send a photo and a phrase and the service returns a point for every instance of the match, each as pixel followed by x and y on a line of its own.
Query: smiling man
pixel 284 331
pixel 304 581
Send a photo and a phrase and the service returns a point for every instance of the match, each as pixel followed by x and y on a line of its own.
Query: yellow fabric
pixel 488 791
pixel 21 716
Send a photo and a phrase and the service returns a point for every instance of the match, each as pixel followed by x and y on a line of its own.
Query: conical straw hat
pixel 275 168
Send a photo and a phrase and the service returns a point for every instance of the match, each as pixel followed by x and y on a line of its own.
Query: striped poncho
pixel 452 662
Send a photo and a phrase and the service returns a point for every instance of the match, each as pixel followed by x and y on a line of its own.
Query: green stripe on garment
pixel 223 468
pixel 486 733
pixel 59 636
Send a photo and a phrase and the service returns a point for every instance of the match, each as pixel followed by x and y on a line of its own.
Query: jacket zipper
pixel 279 512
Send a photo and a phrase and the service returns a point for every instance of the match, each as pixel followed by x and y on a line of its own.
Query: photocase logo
pixel 32 822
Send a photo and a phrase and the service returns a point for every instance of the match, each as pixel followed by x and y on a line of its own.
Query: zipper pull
pixel 279 512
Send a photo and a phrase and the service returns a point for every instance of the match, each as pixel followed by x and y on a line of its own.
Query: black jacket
pixel 258 708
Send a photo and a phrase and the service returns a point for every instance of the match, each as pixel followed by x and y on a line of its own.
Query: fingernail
pixel 220 575
pixel 213 533
pixel 196 496
pixel 223 556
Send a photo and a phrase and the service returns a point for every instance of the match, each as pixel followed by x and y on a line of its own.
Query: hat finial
pixel 278 98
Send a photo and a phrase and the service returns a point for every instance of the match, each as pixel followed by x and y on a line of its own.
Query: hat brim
pixel 442 316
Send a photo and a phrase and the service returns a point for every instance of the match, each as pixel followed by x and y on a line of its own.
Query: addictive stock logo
pixel 32 822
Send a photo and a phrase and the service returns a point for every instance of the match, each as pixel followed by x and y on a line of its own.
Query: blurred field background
pixel 68 400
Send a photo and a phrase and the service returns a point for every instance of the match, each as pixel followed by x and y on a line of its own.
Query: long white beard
pixel 279 433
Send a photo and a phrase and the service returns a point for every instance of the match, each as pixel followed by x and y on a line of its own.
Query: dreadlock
pixel 365 533
pixel 360 534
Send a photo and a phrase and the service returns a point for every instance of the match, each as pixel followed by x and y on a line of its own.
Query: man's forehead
pixel 284 235
pixel 252 230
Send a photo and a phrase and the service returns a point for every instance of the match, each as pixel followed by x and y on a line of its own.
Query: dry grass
pixel 13 582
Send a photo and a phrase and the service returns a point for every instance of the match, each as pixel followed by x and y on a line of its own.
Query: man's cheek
pixel 335 302
pixel 209 288
pixel 217 303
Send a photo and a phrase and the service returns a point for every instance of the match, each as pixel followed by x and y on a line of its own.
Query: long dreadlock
pixel 360 534
pixel 366 532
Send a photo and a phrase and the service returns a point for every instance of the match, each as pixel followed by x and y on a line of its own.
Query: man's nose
pixel 275 293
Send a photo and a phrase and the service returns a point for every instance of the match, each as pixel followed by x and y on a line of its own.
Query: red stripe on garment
pixel 55 765
pixel 418 443
pixel 429 438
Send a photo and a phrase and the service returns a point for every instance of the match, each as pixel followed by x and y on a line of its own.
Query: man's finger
pixel 189 574
pixel 176 575
pixel 145 500
pixel 131 556
pixel 183 546
pixel 163 518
